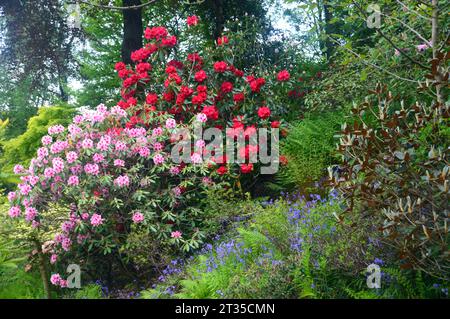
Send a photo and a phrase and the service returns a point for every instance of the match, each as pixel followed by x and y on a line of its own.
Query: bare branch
pixel 406 25
pixel 372 64
pixel 101 6
pixel 390 41
pixel 413 11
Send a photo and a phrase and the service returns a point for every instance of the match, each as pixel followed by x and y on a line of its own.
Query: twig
pixel 408 26
pixel 389 40
pixel 444 43
pixel 413 11
pixel 374 65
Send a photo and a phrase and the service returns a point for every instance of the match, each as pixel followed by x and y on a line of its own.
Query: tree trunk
pixel 43 269
pixel 328 29
pixel 434 44
pixel 132 30
pixel 219 18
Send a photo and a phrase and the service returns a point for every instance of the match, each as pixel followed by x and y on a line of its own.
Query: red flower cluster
pixel 283 76
pixel 201 95
pixel 196 60
pixel 255 84
pixel 222 40
pixel 192 20
pixel 156 33
pixel 222 170
pixel 283 160
pixel 239 97
pixel 190 87
pixel 275 124
pixel 169 41
pixel 226 87
pixel 120 66
pixel 264 112
pixel 246 168
pixel 220 67
pixel 211 112
pixel 142 54
pixel 200 76
pixel 151 99
pixel 143 67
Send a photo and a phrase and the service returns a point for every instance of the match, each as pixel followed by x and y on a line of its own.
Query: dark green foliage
pixel 91 291
pixel 103 33
pixel 19 284
pixel 36 58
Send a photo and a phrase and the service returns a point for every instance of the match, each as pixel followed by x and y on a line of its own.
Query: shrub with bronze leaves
pixel 396 179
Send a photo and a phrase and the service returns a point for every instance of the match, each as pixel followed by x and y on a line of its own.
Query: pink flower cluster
pixel 176 234
pixel 14 211
pixel 201 117
pixel 47 140
pixel 92 169
pixel 119 163
pixel 73 181
pixel 122 181
pixel 96 220
pixel 71 157
pixel 171 123
pixel 30 213
pixel 56 280
pixel 158 159
pixel 138 217
pixel 58 147
pixel 56 129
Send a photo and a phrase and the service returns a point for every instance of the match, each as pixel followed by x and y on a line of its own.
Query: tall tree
pixel 36 55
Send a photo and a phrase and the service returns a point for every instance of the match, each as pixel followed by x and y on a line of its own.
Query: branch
pixel 389 40
pixel 413 11
pixel 407 25
pixel 444 43
pixel 101 6
pixel 371 64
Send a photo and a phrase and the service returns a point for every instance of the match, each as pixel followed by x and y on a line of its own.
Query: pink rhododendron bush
pixel 112 168
pixel 110 179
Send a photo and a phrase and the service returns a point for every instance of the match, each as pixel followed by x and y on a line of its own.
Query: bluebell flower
pixel 276 262
pixel 378 261
pixel 219 292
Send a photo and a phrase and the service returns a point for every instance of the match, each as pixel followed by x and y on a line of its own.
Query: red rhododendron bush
pixel 112 168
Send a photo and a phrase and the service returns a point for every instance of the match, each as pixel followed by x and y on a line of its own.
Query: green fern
pixel 254 239
pixel 364 294
pixel 303 277
pixel 91 291
pixel 310 149
pixel 197 289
